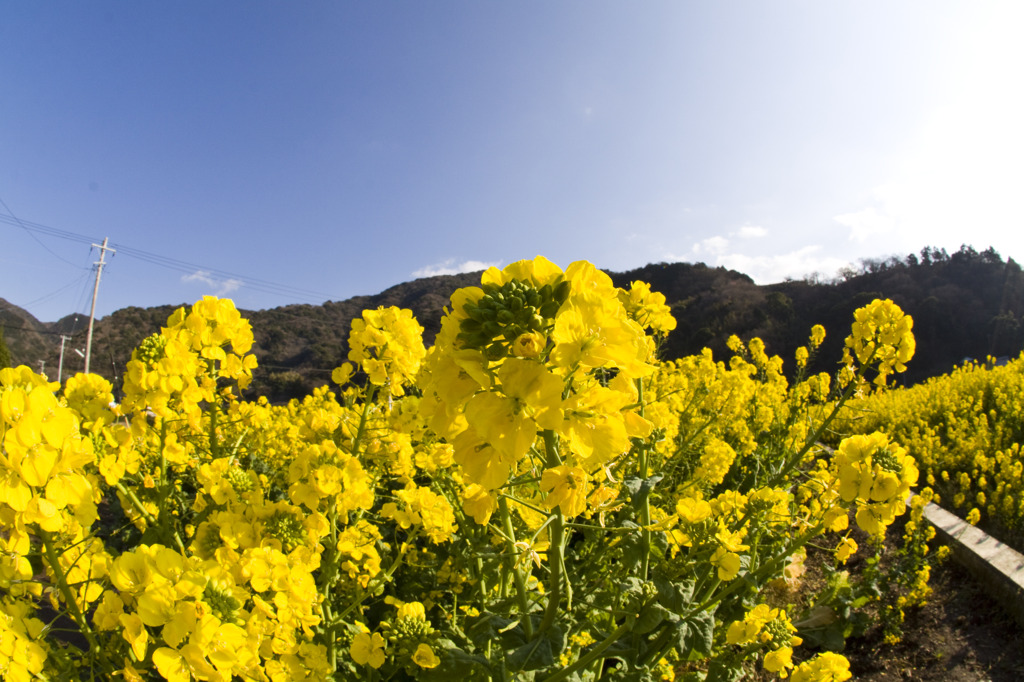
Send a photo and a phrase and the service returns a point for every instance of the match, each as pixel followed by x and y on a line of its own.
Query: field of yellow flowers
pixel 535 497
pixel 965 430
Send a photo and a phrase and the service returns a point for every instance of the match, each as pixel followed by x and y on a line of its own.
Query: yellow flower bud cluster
pixel 771 629
pixel 388 344
pixel 520 355
pixel 825 667
pixel 322 475
pixel 647 308
pixel 42 477
pixel 882 337
pixel 409 641
pixel 91 396
pixel 876 476
pixel 425 509
pixel 196 355
pixel 715 462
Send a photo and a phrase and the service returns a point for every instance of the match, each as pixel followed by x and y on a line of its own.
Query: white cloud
pixel 712 246
pixel 449 267
pixel 749 231
pixel 220 287
pixel 673 257
pixel 764 269
pixel 866 223
pixel 775 268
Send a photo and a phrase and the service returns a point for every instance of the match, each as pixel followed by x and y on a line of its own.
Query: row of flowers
pixel 966 429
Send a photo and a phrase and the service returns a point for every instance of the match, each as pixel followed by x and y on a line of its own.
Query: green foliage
pixel 5 354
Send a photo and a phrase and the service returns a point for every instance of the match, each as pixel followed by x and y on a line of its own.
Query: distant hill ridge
pixel 965 304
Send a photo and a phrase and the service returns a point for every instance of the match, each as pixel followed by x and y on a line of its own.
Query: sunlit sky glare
pixel 284 153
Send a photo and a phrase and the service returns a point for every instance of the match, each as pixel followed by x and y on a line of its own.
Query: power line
pixel 47 297
pixel 30 329
pixel 254 283
pixel 13 220
pixel 243 281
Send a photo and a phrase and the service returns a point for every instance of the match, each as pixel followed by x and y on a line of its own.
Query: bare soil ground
pixel 960 635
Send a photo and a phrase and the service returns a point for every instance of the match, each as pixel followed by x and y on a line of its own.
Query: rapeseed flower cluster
pixel 533 495
pixel 876 476
pixel 966 427
pixel 387 344
pixel 497 390
pixel 826 667
pixel 771 628
pixel 881 334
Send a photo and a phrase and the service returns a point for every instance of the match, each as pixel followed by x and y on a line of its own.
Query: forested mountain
pixel 965 304
pixel 27 339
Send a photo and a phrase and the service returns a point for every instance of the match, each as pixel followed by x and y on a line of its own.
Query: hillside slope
pixel 967 304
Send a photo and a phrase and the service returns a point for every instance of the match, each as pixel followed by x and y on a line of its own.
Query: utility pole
pixel 64 338
pixel 95 290
pixel 60 364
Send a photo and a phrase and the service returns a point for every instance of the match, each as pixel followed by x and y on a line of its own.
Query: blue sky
pixel 283 153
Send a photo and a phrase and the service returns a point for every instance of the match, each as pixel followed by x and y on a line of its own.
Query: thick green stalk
pixel 53 560
pixel 214 441
pixel 330 576
pixel 645 509
pixel 510 563
pixel 556 546
pixel 147 517
pixel 332 556
pixel 594 653
pixel 361 431
pixel 813 438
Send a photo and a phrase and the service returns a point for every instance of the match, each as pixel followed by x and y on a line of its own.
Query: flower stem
pixel 95 650
pixel 517 576
pixel 594 653
pixel 556 547
pixel 645 509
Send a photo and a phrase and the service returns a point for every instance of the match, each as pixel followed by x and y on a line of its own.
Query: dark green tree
pixel 5 354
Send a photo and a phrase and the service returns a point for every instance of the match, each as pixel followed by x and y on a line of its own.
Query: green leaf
pixel 631 593
pixel 538 653
pixel 650 617
pixel 699 635
pixel 683 637
pixel 718 671
pixel 674 596
pixel 640 489
pixel 533 655
pixel 632 548
pixel 488 627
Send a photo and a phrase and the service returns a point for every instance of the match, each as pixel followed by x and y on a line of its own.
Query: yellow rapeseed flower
pixel 368 649
pixel 425 657
pixel 567 489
